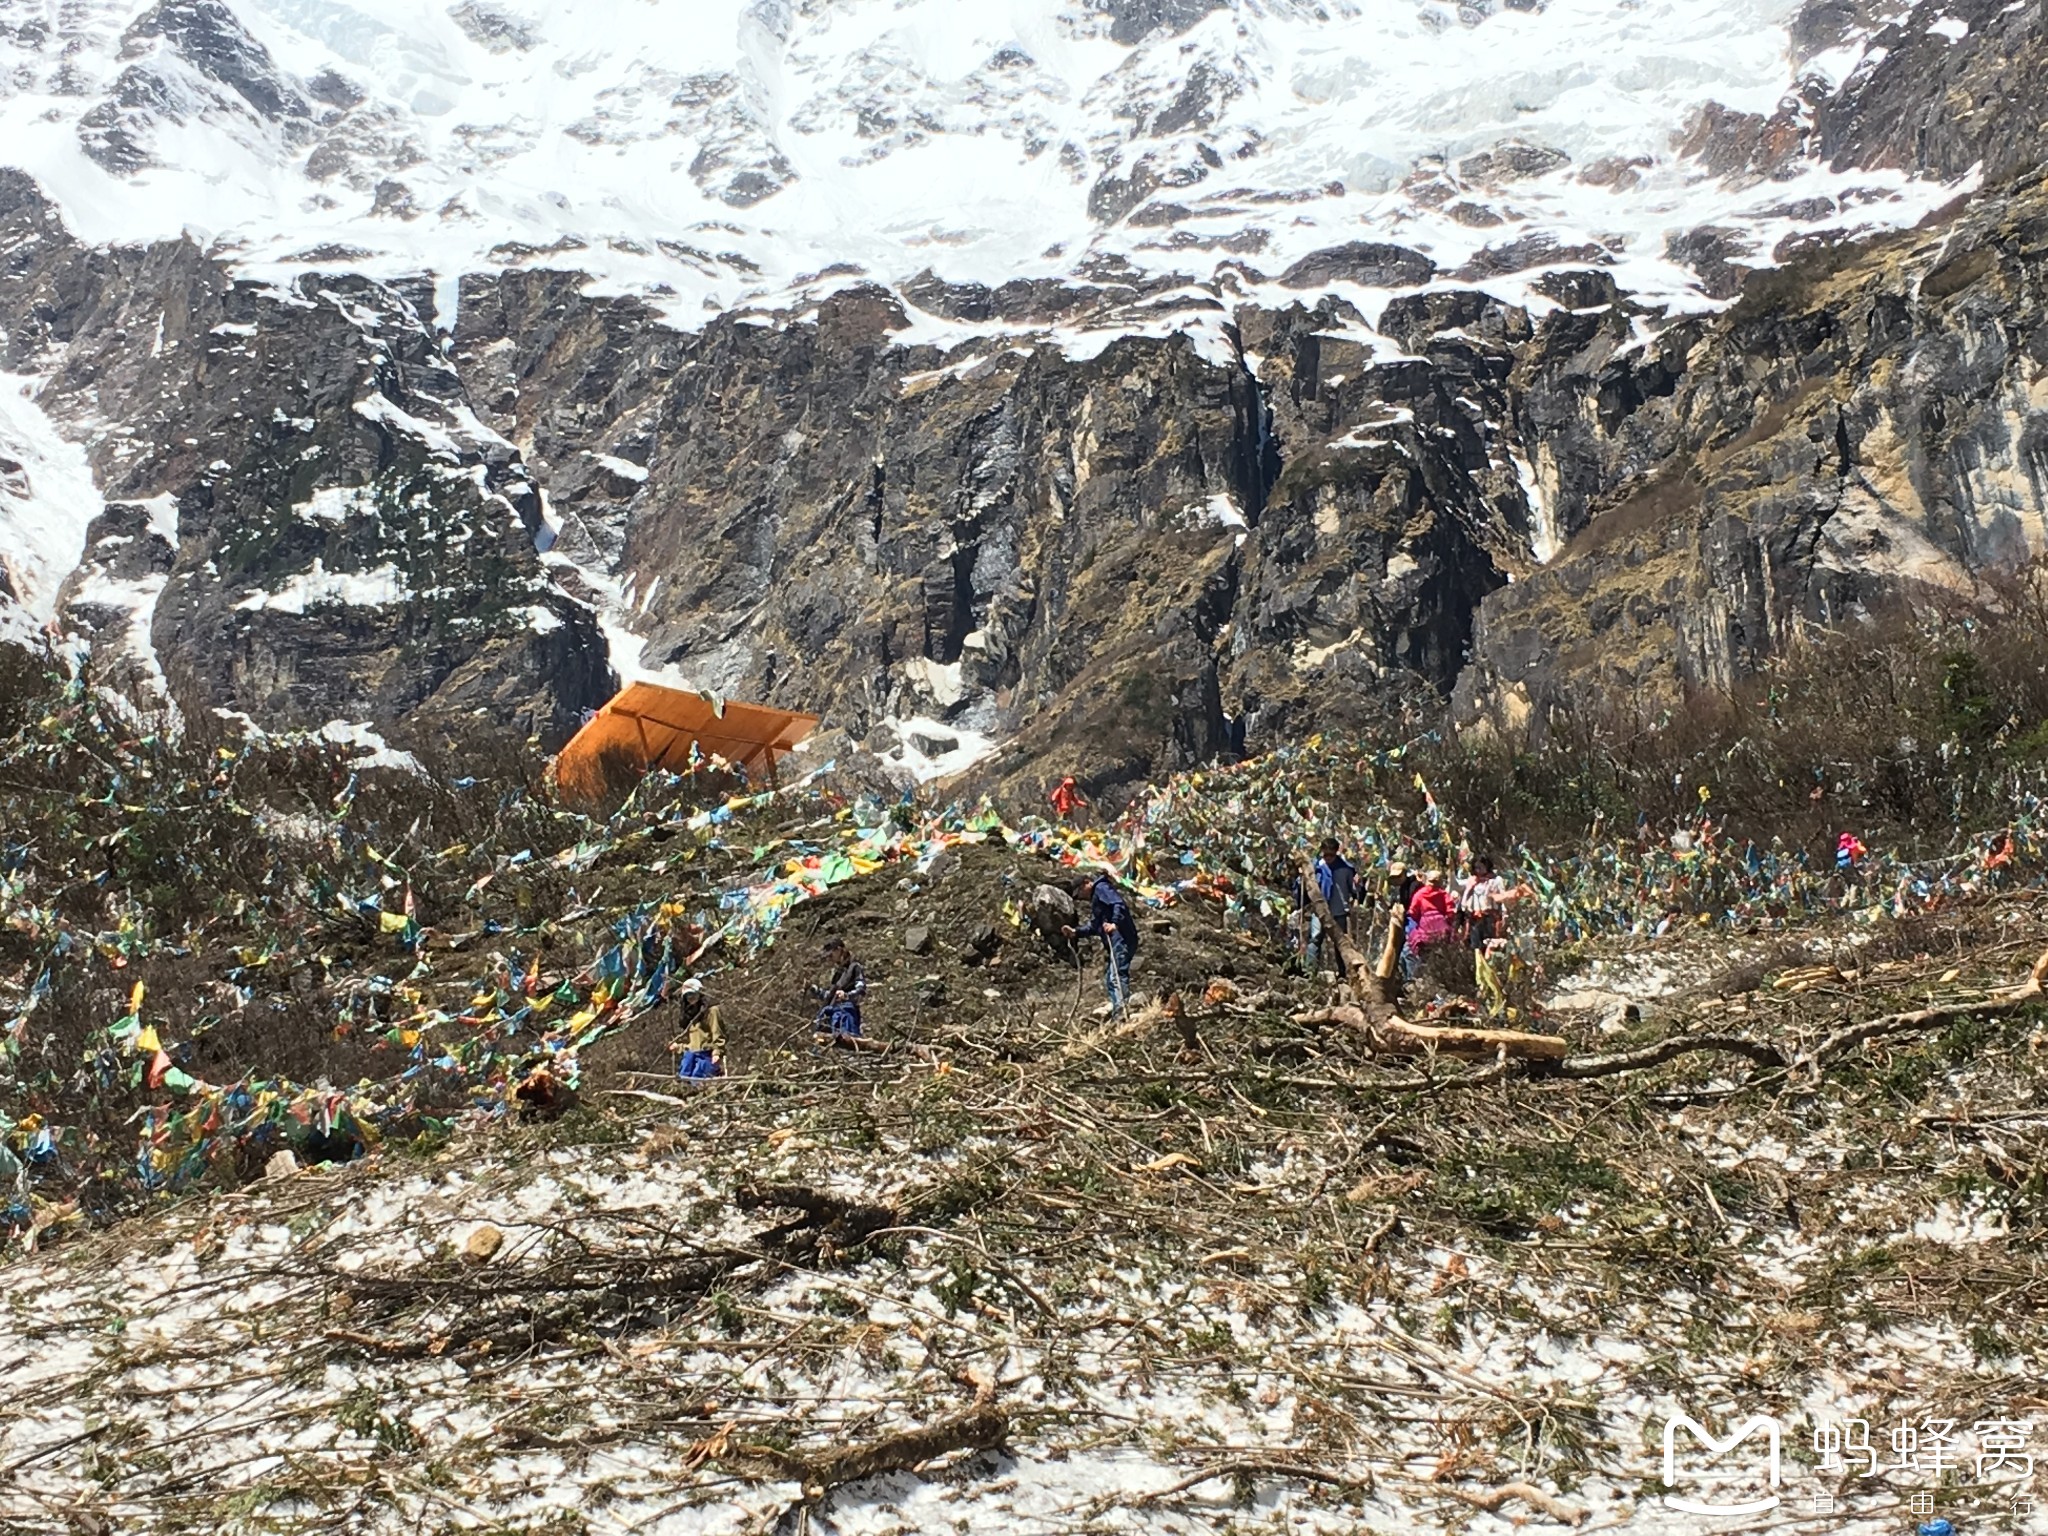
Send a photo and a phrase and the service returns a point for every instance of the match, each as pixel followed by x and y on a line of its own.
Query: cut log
pixel 1389 969
pixel 1392 1035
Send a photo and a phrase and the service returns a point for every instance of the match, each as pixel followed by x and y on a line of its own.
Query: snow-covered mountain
pixel 720 153
pixel 1115 380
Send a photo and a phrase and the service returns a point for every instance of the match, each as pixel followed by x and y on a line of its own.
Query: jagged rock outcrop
pixel 814 513
pixel 1122 514
pixel 1864 429
pixel 1114 563
pixel 1859 435
pixel 1390 504
pixel 193 58
pixel 306 522
pixel 1945 88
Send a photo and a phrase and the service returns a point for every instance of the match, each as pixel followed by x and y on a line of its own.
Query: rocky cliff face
pixel 303 521
pixel 1118 519
pixel 1855 435
pixel 1115 563
pixel 1861 433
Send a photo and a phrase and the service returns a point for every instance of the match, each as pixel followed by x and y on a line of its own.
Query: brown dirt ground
pixel 948 992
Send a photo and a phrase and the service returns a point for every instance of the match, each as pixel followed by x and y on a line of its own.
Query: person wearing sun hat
pixel 703 1047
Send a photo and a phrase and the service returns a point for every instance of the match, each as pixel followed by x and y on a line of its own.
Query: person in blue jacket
pixel 1338 880
pixel 703 1043
pixel 1109 917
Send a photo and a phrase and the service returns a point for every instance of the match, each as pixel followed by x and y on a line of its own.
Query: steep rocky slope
pixel 302 519
pixel 1169 492
pixel 1853 436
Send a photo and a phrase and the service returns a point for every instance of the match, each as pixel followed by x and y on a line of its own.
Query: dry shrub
pixel 1919 728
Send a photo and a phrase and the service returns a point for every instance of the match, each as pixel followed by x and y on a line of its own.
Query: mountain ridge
pixel 1091 506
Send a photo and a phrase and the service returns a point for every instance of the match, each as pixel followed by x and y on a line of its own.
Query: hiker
pixel 1430 911
pixel 1110 918
pixel 702 1041
pixel 1481 903
pixel 1338 882
pixel 1361 898
pixel 544 1094
pixel 839 1018
pixel 1482 909
pixel 1849 855
pixel 1066 799
pixel 1402 884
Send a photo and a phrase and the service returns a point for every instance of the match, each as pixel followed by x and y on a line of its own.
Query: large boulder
pixel 1051 909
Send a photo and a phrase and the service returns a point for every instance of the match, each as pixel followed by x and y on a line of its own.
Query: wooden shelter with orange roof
pixel 649 726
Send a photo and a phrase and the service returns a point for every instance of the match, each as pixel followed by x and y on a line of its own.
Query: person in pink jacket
pixel 1430 911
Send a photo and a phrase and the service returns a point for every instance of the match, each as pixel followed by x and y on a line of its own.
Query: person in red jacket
pixel 1430 911
pixel 1066 799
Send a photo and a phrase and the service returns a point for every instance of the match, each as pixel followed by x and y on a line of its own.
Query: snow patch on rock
pixel 47 501
pixel 380 587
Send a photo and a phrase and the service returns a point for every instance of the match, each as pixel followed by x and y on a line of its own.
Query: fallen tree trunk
pixel 1669 1050
pixel 1390 1035
pixel 978 1428
pixel 2033 990
pixel 1388 971
pixel 825 1219
pixel 1395 1036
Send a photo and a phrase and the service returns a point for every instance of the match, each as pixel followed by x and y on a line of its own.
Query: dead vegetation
pixel 1269 1238
pixel 1275 1263
pixel 1919 729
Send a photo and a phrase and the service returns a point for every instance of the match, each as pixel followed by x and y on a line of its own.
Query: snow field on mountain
pixel 884 137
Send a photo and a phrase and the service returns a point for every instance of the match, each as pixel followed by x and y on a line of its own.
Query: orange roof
pixel 655 726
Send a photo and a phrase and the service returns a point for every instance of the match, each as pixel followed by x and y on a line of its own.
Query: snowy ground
pixel 1378 1308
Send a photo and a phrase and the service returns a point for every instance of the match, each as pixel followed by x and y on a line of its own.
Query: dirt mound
pixel 956 984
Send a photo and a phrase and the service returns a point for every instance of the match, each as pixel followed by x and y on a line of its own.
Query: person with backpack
pixel 702 1043
pixel 1110 919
